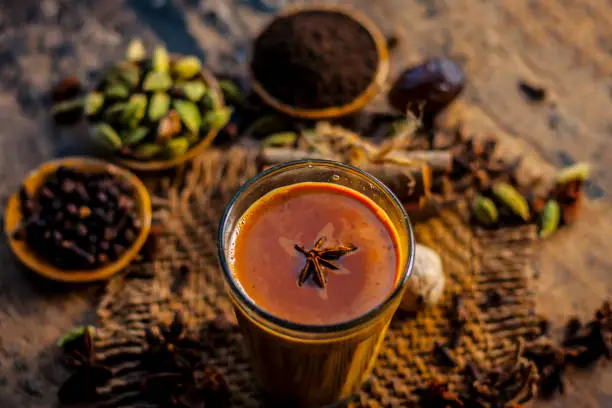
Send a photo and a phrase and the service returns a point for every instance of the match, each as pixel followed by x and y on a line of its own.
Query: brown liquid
pixel 267 266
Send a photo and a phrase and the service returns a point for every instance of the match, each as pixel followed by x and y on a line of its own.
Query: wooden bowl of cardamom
pixel 152 114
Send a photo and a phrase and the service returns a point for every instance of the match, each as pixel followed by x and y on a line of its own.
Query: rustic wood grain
pixel 563 45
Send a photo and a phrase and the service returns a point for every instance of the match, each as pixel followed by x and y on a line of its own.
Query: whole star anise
pixel 197 388
pixel 170 348
pixel 88 375
pixel 319 258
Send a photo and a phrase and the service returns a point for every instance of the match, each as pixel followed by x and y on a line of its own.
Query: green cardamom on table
pixel 551 216
pixel 512 199
pixel 107 137
pixel 187 67
pixel 157 81
pixel 576 172
pixel 177 147
pixel 161 60
pixel 93 103
pixel 136 51
pixel 189 114
pixel 158 106
pixel 281 139
pixel 484 210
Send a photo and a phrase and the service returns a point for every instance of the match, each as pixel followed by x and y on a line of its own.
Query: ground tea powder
pixel 315 59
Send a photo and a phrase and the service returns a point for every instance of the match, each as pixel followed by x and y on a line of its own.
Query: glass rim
pixel 312 328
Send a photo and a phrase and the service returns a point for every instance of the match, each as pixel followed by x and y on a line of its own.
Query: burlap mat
pixel 189 207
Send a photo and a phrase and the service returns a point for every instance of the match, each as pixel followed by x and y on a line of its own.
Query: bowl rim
pixel 33 261
pixel 206 141
pixel 377 83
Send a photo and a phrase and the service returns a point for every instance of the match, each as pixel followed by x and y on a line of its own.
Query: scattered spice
pixel 170 348
pixel 319 258
pixel 79 220
pixel 445 355
pixel 458 319
pixel 595 337
pixel 532 92
pixel 315 59
pixel 438 395
pixel 200 387
pixel 82 385
pixel 427 88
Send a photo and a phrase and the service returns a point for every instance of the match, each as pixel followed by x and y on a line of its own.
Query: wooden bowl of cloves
pixel 155 113
pixel 78 219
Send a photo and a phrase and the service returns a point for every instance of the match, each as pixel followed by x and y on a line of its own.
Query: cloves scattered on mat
pixel 458 320
pixel 176 376
pixel 595 337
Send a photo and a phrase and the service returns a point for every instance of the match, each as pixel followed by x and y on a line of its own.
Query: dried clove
pixel 532 92
pixel 458 320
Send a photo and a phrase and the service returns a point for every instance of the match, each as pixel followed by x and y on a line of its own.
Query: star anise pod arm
pixel 318 258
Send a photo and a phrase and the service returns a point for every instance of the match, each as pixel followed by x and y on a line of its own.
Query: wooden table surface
pixel 563 45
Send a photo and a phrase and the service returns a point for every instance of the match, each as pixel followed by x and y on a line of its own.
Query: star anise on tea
pixel 319 258
pixel 170 348
pixel 88 376
pixel 200 387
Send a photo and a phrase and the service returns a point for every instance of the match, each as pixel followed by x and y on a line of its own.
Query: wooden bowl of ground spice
pixel 319 62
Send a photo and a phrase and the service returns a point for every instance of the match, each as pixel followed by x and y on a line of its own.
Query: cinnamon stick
pixel 410 183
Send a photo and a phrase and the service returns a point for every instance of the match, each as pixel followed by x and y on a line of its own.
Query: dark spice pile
pixel 79 220
pixel 315 59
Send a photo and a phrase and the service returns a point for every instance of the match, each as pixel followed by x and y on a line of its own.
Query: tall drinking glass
pixel 314 365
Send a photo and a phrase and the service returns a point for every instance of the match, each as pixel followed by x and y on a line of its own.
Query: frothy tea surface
pixel 267 265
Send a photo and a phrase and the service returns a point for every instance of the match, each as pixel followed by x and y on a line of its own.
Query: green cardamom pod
pixel 69 106
pixel 484 210
pixel 135 110
pixel 116 91
pixel 128 73
pixel 208 101
pixel 281 139
pixel 74 334
pixel 576 172
pixel 512 199
pixel 134 136
pixel 148 150
pixel 217 119
pixel 169 126
pixel 231 92
pixel 187 67
pixel 157 81
pixel 93 103
pixel 161 60
pixel 194 90
pixel 158 106
pixel 189 114
pixel 136 51
pixel 114 111
pixel 107 137
pixel 551 216
pixel 177 147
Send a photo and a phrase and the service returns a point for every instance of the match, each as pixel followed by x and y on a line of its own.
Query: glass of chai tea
pixel 316 255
